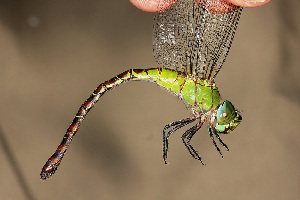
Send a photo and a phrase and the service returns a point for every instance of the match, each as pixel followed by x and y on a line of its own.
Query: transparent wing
pixel 193 37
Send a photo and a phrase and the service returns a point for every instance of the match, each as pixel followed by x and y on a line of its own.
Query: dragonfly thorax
pixel 200 95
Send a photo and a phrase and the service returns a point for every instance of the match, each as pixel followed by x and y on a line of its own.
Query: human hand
pixel 152 5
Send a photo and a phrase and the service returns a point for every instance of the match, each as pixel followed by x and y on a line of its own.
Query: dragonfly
pixel 191 41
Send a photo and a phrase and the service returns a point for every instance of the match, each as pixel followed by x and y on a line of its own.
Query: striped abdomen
pixel 154 75
pixel 198 95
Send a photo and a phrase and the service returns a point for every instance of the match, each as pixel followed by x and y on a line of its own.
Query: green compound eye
pixel 227 118
pixel 226 113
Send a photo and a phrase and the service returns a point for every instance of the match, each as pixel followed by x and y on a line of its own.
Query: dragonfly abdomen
pixel 199 95
pixel 162 77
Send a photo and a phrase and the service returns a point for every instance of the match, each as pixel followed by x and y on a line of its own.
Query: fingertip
pixel 162 5
pixel 153 5
pixel 249 3
pixel 252 4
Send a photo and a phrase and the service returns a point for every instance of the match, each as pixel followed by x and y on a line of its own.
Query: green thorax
pixel 198 94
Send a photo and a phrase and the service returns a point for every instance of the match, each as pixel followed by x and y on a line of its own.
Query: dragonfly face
pixel 227 118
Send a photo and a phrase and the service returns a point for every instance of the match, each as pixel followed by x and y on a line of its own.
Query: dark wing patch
pixel 193 39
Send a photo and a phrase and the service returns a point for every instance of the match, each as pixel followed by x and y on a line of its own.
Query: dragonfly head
pixel 227 118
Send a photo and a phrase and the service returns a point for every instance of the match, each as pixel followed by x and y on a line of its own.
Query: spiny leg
pixel 218 137
pixel 188 141
pixel 214 142
pixel 178 124
pixel 188 136
pixel 171 132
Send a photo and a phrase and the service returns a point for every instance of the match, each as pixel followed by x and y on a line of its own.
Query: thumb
pixel 153 5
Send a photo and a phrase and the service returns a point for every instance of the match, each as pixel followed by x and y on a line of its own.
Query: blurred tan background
pixel 54 53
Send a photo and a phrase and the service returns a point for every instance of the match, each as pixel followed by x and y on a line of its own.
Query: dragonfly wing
pixel 193 37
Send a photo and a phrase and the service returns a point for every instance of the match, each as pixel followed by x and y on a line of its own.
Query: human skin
pixel 152 5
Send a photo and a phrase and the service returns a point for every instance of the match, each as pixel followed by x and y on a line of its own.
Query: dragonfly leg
pixel 178 124
pixel 218 137
pixel 210 131
pixel 186 138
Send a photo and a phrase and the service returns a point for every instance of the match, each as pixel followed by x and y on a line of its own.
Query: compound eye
pixel 226 113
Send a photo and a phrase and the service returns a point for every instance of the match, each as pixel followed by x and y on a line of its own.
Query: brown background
pixel 54 53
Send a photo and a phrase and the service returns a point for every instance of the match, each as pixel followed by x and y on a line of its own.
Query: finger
pixel 153 5
pixel 161 5
pixel 249 3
